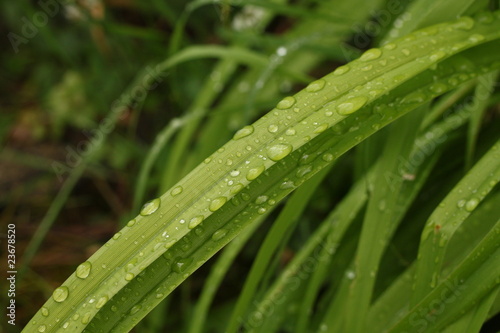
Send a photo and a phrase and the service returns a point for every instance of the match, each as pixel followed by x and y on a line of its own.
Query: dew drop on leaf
pixel 176 191
pixel 255 172
pixel 195 221
pixel 279 151
pixel 180 264
pixel 100 303
pixel 129 276
pixel 341 70
pixel 316 86
pixel 219 234
pixel 272 128
pixel 131 223
pixel 261 199
pixel 60 294
pixel 150 207
pixel 45 311
pixel 217 203
pixel 286 103
pixel 471 204
pixel 42 328
pixel 245 131
pixel 351 105
pixel 83 270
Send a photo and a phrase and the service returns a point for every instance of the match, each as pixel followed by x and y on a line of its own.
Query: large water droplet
pixel 255 172
pixel 286 103
pixel 176 191
pixel 341 70
pixel 272 128
pixel 42 328
pixel 279 151
pixel 129 276
pixel 195 221
pixel 60 294
pixel 245 131
pixel 261 199
pixel 100 303
pixel 316 86
pixel 219 234
pixel 180 264
pixel 150 207
pixel 83 270
pixel 217 203
pixel 471 204
pixel 352 105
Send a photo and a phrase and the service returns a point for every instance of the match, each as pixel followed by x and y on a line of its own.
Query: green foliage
pixel 384 230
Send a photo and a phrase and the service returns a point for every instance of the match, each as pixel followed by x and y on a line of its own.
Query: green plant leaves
pixel 178 232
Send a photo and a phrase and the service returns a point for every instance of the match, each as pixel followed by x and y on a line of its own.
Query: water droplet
pixel 195 221
pixel 350 275
pixel 243 132
pixel 351 105
pixel 278 152
pixel 476 38
pixel 261 199
pixel 255 172
pixel 180 264
pixel 316 86
pixel 217 203
pixel 45 311
pixel 100 303
pixel 83 270
pixel 371 55
pixel 437 56
pixel 236 188
pixel 287 185
pixel 303 170
pixel 471 204
pixel 117 235
pixel 60 294
pixel 272 128
pixel 176 191
pixel 390 46
pixel 366 68
pixel 135 309
pixel 286 103
pixel 281 51
pixel 406 52
pixel 321 128
pixel 290 132
pixel 150 207
pixel 131 223
pixel 464 23
pixel 341 70
pixel 129 276
pixel 327 157
pixel 235 173
pixel 42 328
pixel 219 234
pixel 461 203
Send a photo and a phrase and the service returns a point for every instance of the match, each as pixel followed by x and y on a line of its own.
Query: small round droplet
pixel 316 86
pixel 60 294
pixel 195 221
pixel 471 204
pixel 279 151
pixel 117 235
pixel 350 275
pixel 131 223
pixel 245 131
pixel 290 132
pixel 371 54
pixel 176 191
pixel 235 173
pixel 255 172
pixel 150 207
pixel 217 203
pixel 321 128
pixel 406 52
pixel 45 311
pixel 351 105
pixel 83 270
pixel 129 276
pixel 42 328
pixel 272 128
pixel 219 234
pixel 286 103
